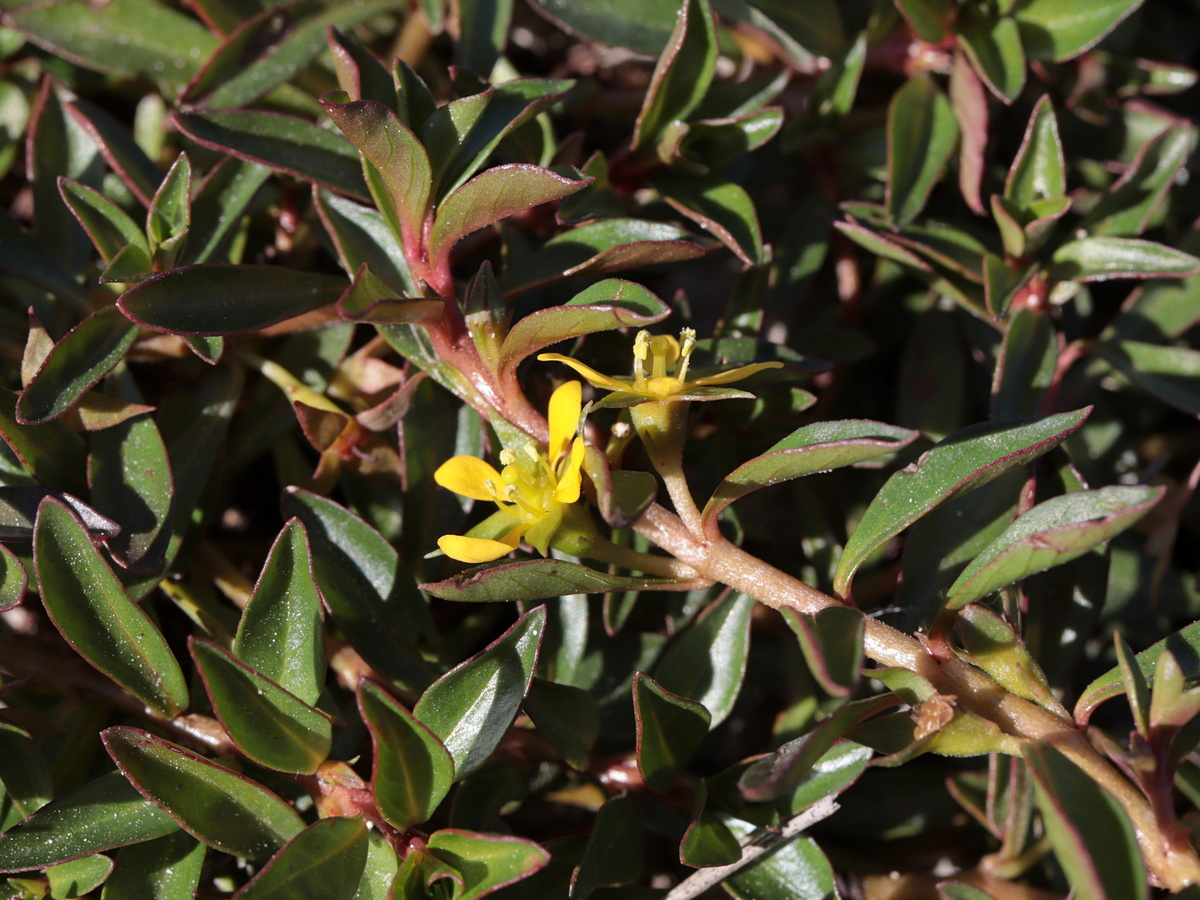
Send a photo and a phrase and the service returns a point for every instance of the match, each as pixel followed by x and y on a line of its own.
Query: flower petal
pixel 565 405
pixel 567 490
pixel 596 379
pixel 540 533
pixel 467 475
pixel 472 550
pixel 735 374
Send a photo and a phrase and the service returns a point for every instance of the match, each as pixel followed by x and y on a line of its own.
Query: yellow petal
pixel 567 490
pixel 596 379
pixel 565 404
pixel 543 529
pixel 467 475
pixel 735 374
pixel 472 550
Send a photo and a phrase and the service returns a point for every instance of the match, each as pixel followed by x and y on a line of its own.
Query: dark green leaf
pixel 709 842
pixel 366 587
pixel 1059 29
pixel 93 612
pixel 708 661
pixel 1038 172
pixel 722 208
pixel 832 645
pixel 379 874
pixel 1105 258
pixel 110 227
pixel 568 717
pixel 136 36
pixel 494 195
pixel 601 247
pixel 1136 688
pixel 615 850
pixel 1052 533
pixel 670 729
pixel 100 815
pixel 991 644
pixel 813 448
pixel 961 890
pixel 323 862
pixel 961 462
pixel 816 24
pixel 170 211
pixel 1091 835
pixel 796 871
pixel 413 770
pixel 471 706
pixel 13 579
pixel 24 779
pixel 119 148
pixel 486 862
pixel 362 236
pixel 534 579
pixel 993 43
pixel 79 877
pixel 1169 373
pixel 214 299
pixel 52 453
pixel 1133 199
pixel 281 634
pixel 24 256
pixel 643 26
pixel 835 771
pixel 928 18
pixel 286 143
pixel 606 305
pixel 1026 365
pixel 683 73
pixel 922 134
pixel 269 725
pixel 214 804
pixel 445 130
pixel 219 205
pixel 167 868
pixel 19 506
pixel 1184 646
pixel 483 31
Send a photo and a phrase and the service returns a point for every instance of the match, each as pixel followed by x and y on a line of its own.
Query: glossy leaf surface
pixel 486 862
pixel 166 868
pixel 323 862
pixel 922 133
pixel 670 728
pixel 535 579
pixel 683 73
pixel 1058 30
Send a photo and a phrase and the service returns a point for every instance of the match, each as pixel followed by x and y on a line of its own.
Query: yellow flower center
pixel 527 484
pixel 662 352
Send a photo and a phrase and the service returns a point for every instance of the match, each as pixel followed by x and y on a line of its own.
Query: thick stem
pixel 1170 857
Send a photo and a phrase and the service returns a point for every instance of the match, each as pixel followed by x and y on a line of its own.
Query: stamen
pixel 507 457
pixel 688 338
pixel 490 487
pixel 532 451
pixel 641 350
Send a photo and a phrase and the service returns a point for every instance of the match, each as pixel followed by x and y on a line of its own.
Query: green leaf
pixel 615 850
pixel 708 661
pixel 323 862
pixel 271 49
pixel 1105 258
pixel 1038 171
pixel 217 299
pixel 367 587
pixel 281 634
pixel 569 718
pixel 721 208
pixel 362 236
pixel 922 133
pixel 121 151
pixel 52 453
pixel 170 211
pixel 606 305
pixel 445 130
pixel 90 607
pixel 486 862
pixel 813 448
pixel 471 706
pixel 993 43
pixel 391 155
pixel 167 868
pixel 86 354
pixel 1184 646
pixel 379 874
pixel 1052 533
pixel 670 729
pixel 991 644
pixel 1133 199
pixel 1059 29
pixel 683 73
pixel 837 769
pixel 1166 372
pixel 483 31
pixel 79 877
pixel 24 779
pixel 494 195
pixel 709 842
pixel 1025 366
pixel 796 871
pixel 219 206
pixel 961 890
pixel 1090 833
pixel 958 464
pixel 600 247
pixel 288 144
pixel 13 579
pixel 110 227
pixel 131 483
pixel 534 579
pixel 413 770
pixel 928 18
pixel 643 26
pixel 268 724
pixel 215 805
pixel 141 37
pixel 100 815
pixel 816 24
pixel 832 643
pixel 1137 690
pixel 26 257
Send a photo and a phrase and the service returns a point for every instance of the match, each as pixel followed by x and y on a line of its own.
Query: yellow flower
pixel 662 352
pixel 532 490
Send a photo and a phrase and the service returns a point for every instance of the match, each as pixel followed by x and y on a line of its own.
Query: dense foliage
pixel 366 531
